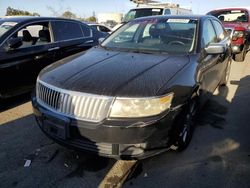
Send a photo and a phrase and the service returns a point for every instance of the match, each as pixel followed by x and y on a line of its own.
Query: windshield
pixel 231 15
pixel 155 36
pixel 5 26
pixel 137 13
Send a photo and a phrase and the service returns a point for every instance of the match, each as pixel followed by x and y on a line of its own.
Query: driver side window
pixel 33 35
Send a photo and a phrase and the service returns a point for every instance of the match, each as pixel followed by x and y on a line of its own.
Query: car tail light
pixel 238 34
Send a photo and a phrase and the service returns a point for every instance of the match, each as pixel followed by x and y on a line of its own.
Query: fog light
pixel 132 149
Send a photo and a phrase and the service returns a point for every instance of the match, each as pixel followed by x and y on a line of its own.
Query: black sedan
pixel 100 27
pixel 28 44
pixel 138 93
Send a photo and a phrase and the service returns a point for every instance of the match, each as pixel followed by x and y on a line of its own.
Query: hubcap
pixel 188 122
pixel 184 134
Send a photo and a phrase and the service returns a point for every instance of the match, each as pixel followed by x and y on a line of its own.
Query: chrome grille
pixel 48 96
pixel 77 105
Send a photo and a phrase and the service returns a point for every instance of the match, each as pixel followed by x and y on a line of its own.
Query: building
pixel 109 17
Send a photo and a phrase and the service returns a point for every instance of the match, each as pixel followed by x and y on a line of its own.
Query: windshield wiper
pixel 105 48
pixel 139 51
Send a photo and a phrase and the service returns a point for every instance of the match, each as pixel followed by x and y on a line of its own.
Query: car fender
pixel 184 85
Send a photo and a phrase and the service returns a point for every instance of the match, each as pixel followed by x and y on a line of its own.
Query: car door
pixel 71 37
pixel 21 65
pixel 210 65
pixel 222 38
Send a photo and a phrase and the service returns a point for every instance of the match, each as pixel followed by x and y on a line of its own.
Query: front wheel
pixel 185 125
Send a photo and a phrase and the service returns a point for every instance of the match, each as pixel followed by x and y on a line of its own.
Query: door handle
pixel 89 41
pixel 38 57
pixel 52 49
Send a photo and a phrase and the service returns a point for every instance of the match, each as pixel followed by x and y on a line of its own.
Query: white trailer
pixel 153 9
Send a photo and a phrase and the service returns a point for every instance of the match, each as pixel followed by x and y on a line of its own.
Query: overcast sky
pixel 85 8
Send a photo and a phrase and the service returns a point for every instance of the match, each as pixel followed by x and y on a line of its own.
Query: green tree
pixel 16 12
pixel 68 14
pixel 35 14
pixel 91 19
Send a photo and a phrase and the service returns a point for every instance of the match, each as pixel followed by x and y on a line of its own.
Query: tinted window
pixel 167 11
pixel 221 33
pixel 94 26
pixel 208 35
pixel 86 31
pixel 66 30
pixel 104 29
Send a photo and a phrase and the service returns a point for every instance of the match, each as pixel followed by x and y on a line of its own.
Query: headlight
pixel 140 107
pixel 238 34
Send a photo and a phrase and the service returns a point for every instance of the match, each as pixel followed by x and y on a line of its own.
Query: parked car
pixel 28 44
pixel 138 93
pixel 100 27
pixel 238 20
pixel 152 9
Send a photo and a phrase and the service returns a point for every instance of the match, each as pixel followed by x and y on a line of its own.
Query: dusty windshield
pixel 155 36
pixel 5 26
pixel 137 13
pixel 231 15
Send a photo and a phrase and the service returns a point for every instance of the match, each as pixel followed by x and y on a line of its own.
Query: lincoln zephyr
pixel 137 93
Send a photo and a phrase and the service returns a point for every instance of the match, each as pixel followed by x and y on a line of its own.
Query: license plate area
pixel 56 127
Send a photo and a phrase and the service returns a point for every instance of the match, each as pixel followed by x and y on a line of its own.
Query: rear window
pixel 236 15
pixel 66 30
pixel 86 30
pixel 137 13
pixel 167 12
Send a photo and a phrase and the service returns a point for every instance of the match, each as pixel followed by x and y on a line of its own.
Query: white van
pixel 152 10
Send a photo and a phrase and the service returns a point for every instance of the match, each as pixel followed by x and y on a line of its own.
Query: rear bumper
pixel 111 139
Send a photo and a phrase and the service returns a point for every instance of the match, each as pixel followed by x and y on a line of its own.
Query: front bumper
pixel 135 139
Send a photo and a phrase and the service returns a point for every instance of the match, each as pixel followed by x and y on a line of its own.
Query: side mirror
pixel 214 48
pixel 14 43
pixel 100 40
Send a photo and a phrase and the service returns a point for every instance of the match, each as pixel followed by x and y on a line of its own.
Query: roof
pixel 30 18
pixel 225 8
pixel 145 7
pixel 198 17
pixel 157 7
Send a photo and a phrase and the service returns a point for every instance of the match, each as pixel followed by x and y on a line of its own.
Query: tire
pixel 185 126
pixel 240 57
pixel 226 74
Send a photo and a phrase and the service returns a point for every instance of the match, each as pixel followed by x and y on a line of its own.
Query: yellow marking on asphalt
pixel 15 113
pixel 118 174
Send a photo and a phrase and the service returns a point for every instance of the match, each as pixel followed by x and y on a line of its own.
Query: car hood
pixel 114 73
